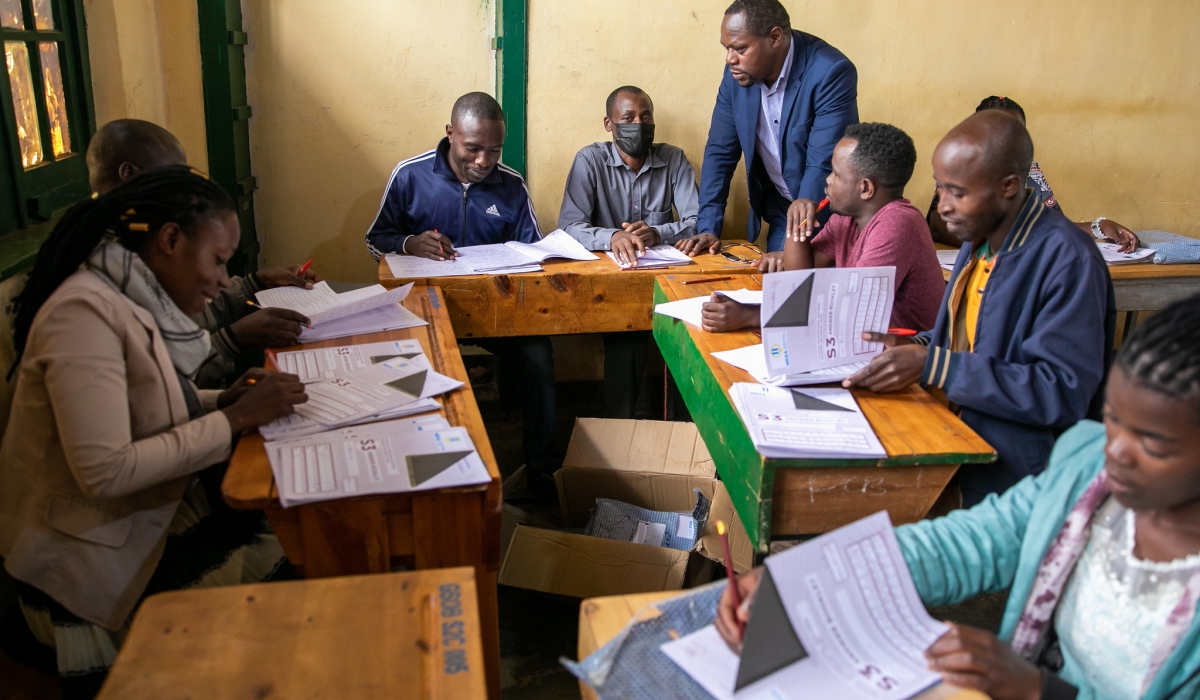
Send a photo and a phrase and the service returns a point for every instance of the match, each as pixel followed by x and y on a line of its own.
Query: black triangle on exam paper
pixel 412 384
pixel 794 310
pixel 376 359
pixel 422 468
pixel 804 402
pixel 769 643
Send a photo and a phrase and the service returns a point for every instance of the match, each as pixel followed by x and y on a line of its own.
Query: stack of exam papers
pixel 334 315
pixel 662 255
pixel 1111 252
pixel 508 258
pixel 805 424
pixel 392 457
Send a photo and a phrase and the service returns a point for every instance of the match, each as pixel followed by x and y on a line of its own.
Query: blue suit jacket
pixel 820 101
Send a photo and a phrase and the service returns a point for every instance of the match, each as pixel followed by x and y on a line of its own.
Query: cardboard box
pixel 651 464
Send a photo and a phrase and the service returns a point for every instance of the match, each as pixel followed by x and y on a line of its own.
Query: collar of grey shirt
pixel 652 159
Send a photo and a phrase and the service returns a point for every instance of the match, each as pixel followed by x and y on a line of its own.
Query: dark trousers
pixel 624 363
pixel 527 376
pixel 775 215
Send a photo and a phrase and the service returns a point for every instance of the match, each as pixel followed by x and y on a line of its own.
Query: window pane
pixel 41 14
pixel 56 101
pixel 16 57
pixel 10 14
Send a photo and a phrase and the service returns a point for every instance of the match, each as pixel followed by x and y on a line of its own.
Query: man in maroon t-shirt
pixel 873 226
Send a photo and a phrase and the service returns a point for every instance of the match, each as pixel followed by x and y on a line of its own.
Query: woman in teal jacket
pixel 1101 551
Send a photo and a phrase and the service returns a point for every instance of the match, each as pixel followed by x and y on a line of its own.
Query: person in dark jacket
pixel 460 194
pixel 1024 337
pixel 785 100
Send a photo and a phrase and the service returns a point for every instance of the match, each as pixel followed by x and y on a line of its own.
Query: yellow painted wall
pixel 1111 87
pixel 145 57
pixel 339 98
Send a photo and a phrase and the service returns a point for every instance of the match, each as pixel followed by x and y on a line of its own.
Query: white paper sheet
pixel 556 244
pixel 809 423
pixel 482 259
pixel 320 304
pixel 296 425
pixel 324 363
pixel 750 358
pixel 814 319
pixel 384 318
pixel 1113 256
pixel 688 310
pixel 389 457
pixel 413 267
pixel 661 255
pixel 350 397
pixel 851 601
pixel 946 258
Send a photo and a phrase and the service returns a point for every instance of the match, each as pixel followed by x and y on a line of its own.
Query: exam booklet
pixel 511 257
pixel 384 318
pixel 321 304
pixel 324 363
pixel 814 319
pixel 350 397
pixel 750 358
pixel 809 423
pixel 1111 252
pixel 835 617
pixel 661 255
pixel 390 457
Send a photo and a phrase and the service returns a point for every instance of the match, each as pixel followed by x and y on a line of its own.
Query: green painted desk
pixel 925 442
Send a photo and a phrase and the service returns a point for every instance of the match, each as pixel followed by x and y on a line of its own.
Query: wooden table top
pixel 249 483
pixel 912 425
pixel 410 634
pixel 1134 271
pixel 600 619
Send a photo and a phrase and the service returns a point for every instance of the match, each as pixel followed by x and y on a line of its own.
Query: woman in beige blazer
pixel 108 489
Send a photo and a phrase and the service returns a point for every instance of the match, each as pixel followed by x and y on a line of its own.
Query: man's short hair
pixel 761 15
pixel 478 105
pixel 1000 102
pixel 142 143
pixel 630 89
pixel 884 154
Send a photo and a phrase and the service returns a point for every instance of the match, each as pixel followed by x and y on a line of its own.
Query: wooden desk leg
pixel 343 538
pixel 451 529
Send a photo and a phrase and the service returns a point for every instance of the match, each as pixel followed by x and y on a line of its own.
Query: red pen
pixel 730 574
pixel 820 205
pixel 903 332
pixel 304 268
pixel 440 251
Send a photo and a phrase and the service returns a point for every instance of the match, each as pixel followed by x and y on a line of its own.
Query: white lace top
pixel 1115 604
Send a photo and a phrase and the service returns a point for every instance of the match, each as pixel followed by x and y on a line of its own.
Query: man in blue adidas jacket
pixel 1024 338
pixel 460 194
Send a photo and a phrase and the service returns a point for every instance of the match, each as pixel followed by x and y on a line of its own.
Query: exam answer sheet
pixel 750 358
pixel 807 423
pixel 324 363
pixel 661 255
pixel 350 397
pixel 852 606
pixel 814 319
pixel 321 304
pixel 511 257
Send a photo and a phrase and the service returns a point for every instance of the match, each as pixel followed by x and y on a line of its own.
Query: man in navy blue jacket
pixel 785 100
pixel 1024 339
pixel 460 194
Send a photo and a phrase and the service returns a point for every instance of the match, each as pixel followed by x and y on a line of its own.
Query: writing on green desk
pixel 454 637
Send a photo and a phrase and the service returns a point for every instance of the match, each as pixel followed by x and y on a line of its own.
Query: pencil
pixel 304 268
pixel 820 205
pixel 729 573
pixel 271 356
pixel 707 279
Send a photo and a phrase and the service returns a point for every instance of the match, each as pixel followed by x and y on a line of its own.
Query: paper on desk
pixel 688 310
pixel 296 425
pixel 809 423
pixel 750 358
pixel 1113 256
pixel 324 363
pixel 947 258
pixel 321 304
pixel 350 397
pixel 384 318
pixel 414 267
pixel 389 457
pixel 814 319
pixel 482 259
pixel 853 608
pixel 661 255
pixel 556 244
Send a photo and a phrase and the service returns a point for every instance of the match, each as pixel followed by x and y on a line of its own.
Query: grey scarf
pixel 187 343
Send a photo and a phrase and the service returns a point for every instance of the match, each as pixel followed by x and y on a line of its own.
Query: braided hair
pixel 1000 102
pixel 1163 354
pixel 133 212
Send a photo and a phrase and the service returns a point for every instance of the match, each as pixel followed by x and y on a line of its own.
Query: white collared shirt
pixel 768 125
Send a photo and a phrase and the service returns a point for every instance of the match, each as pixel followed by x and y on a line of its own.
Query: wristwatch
pixel 1096 232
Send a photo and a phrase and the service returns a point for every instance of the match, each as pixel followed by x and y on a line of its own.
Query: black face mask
pixel 634 139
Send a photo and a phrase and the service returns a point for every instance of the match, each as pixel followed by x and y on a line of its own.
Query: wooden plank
pixel 914 428
pixel 350 638
pixel 600 619
pixel 566 297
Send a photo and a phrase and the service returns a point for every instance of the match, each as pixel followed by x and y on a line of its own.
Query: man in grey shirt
pixel 623 196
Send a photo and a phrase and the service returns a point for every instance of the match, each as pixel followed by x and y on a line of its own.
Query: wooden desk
pixel 1144 286
pixel 566 297
pixel 427 529
pixel 388 636
pixel 925 442
pixel 601 618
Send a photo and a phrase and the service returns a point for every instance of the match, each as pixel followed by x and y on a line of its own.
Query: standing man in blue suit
pixel 784 102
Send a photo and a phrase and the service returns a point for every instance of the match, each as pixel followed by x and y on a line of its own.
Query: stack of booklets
pixel 508 258
pixel 655 257
pixel 366 310
pixel 356 384
pixel 806 423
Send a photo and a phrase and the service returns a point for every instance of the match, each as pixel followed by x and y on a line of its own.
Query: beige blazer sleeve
pixel 86 381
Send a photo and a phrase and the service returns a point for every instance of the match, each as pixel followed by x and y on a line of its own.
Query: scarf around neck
pixel 187 343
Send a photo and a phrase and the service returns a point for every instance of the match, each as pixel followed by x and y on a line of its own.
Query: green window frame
pixel 35 193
